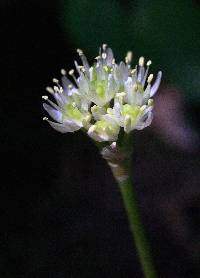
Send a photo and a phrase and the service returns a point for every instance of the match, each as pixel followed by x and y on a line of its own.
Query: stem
pixel 119 160
pixel 131 206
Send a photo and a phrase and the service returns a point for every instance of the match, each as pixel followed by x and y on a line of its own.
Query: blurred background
pixel 61 211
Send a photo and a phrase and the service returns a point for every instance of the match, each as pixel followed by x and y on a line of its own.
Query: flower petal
pixel 156 84
pixel 55 114
pixel 64 127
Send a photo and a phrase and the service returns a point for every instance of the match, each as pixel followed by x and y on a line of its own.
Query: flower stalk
pixel 119 162
pixel 131 205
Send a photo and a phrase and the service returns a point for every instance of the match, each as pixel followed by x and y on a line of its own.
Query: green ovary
pixel 71 112
pixel 100 88
pixel 102 125
pixel 132 111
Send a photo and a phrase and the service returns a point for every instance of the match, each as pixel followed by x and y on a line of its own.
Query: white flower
pixel 70 110
pixel 104 97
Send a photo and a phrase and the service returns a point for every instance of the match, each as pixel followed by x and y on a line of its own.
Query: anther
pixel 82 69
pixel 55 88
pixel 71 72
pixel 63 71
pixel 113 145
pixel 133 71
pixel 45 119
pixel 141 61
pixel 45 97
pixel 129 57
pixel 104 56
pixel 143 108
pixel 94 108
pixel 80 52
pixel 122 94
pixel 104 46
pixel 150 78
pixel 55 80
pixel 149 63
pixel 50 90
pixel 150 102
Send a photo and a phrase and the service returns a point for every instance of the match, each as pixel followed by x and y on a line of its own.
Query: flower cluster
pixel 104 97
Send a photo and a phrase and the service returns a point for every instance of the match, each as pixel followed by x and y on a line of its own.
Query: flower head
pixel 104 97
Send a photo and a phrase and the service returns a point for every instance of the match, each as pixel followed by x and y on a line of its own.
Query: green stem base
pixel 131 206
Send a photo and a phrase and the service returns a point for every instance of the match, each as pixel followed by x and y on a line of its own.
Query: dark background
pixel 61 212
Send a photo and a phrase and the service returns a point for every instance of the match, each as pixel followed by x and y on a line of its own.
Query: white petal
pixel 109 56
pixel 66 82
pixel 145 76
pixel 63 128
pixel 156 84
pixel 55 114
pixel 85 63
pixel 146 95
pixel 60 101
pixel 145 121
pixel 93 134
pixel 123 71
pixel 141 73
pixel 77 67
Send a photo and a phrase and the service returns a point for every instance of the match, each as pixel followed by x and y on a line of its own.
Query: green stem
pixel 131 206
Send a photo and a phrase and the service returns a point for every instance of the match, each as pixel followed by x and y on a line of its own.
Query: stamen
pixel 150 78
pixel 55 80
pixel 113 145
pixel 80 52
pixel 113 61
pixel 82 69
pixel 143 108
pixel 50 90
pixel 122 94
pixel 45 97
pixel 150 102
pixel 45 119
pixel 63 72
pixel 129 57
pixel 94 108
pixel 104 46
pixel 71 72
pixel 133 71
pixel 104 55
pixel 58 90
pixel 141 61
pixel 149 63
